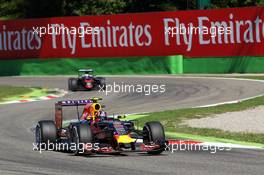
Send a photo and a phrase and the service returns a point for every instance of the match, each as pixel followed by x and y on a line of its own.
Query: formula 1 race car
pixel 95 132
pixel 86 81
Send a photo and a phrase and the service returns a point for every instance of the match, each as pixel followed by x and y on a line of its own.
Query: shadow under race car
pixel 98 133
pixel 86 81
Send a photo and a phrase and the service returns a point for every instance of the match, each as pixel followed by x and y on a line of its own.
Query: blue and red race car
pixel 95 132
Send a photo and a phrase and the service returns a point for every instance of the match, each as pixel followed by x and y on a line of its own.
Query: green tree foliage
pixel 150 5
pixel 98 7
pixel 51 8
pixel 260 3
pixel 11 8
pixel 43 8
pixel 31 8
pixel 235 3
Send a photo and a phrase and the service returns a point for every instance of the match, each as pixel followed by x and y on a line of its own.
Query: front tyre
pixel 73 84
pixel 101 84
pixel 154 133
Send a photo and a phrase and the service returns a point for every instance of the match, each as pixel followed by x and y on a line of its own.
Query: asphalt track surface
pixel 17 120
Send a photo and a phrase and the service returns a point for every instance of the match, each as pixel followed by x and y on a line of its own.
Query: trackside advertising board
pixel 199 33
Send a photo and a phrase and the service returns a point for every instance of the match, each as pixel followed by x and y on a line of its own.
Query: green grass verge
pixel 177 135
pixel 173 119
pixel 184 136
pixel 10 91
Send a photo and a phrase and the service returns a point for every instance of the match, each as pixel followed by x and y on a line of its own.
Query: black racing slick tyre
pixel 154 133
pixel 73 84
pixel 101 83
pixel 45 134
pixel 81 135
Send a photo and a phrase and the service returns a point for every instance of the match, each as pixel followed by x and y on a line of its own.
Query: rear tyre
pixel 101 83
pixel 81 135
pixel 73 84
pixel 69 84
pixel 154 133
pixel 45 134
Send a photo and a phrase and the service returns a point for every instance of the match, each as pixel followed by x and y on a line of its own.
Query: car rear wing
pixel 78 102
pixel 60 104
pixel 74 102
pixel 85 70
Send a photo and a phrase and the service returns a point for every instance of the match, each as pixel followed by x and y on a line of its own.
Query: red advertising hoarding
pixel 198 33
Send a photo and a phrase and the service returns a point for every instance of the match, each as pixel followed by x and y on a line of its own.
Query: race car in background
pixel 86 81
pixel 102 134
